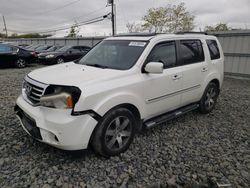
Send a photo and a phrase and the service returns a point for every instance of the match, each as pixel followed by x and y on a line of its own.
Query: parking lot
pixel 190 149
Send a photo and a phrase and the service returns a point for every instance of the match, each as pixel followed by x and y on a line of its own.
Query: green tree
pixel 2 35
pixel 74 31
pixel 171 18
pixel 217 27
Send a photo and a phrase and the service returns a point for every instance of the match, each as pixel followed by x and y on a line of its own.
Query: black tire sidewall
pixel 102 128
pixel 202 107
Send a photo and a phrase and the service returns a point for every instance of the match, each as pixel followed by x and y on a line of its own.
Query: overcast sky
pixel 33 15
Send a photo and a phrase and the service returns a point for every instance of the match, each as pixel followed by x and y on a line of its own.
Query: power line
pixel 59 7
pixel 94 20
pixel 69 22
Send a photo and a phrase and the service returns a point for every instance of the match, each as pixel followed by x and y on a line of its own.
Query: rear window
pixel 191 51
pixel 213 49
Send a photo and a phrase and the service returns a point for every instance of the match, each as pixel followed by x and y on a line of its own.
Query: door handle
pixel 204 69
pixel 176 77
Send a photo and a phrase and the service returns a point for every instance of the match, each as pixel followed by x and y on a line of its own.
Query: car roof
pixel 143 37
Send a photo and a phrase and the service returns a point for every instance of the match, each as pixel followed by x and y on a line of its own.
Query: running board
pixel 170 115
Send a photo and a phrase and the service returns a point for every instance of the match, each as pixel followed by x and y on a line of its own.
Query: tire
pixel 59 60
pixel 20 63
pixel 209 98
pixel 114 134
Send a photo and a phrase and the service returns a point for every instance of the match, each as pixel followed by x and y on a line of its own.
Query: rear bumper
pixel 56 127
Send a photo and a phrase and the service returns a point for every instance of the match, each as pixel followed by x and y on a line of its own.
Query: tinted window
pixel 165 53
pixel 5 49
pixel 75 50
pixel 191 51
pixel 213 49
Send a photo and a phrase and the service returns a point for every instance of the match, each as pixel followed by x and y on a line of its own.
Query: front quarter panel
pixel 102 103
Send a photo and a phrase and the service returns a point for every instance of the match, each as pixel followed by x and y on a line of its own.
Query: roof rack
pixel 136 35
pixel 190 32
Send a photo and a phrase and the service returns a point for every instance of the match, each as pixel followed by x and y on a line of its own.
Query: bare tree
pixel 134 28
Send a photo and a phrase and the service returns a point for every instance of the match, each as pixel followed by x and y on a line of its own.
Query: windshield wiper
pixel 97 65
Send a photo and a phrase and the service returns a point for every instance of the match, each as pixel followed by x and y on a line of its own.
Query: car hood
pixel 72 74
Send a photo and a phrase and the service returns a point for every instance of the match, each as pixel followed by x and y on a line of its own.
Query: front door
pixel 162 91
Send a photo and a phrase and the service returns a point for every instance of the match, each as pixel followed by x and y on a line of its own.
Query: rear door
pixel 194 69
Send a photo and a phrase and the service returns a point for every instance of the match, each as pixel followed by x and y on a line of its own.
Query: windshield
pixel 63 49
pixel 114 54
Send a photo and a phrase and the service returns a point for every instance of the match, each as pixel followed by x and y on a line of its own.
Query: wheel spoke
pixel 125 133
pixel 119 140
pixel 110 132
pixel 112 142
pixel 211 101
pixel 124 124
pixel 117 122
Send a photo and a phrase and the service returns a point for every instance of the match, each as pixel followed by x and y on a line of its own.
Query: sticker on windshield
pixel 137 44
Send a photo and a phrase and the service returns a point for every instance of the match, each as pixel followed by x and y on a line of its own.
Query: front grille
pixel 33 90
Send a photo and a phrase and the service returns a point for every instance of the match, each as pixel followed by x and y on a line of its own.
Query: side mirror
pixel 154 68
pixel 70 51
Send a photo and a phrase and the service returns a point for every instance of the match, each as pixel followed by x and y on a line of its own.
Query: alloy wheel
pixel 20 63
pixel 210 98
pixel 60 61
pixel 118 133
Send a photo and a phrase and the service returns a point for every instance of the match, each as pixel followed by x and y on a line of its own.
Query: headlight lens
pixel 50 56
pixel 61 97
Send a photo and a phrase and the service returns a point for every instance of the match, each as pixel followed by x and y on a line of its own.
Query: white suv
pixel 124 84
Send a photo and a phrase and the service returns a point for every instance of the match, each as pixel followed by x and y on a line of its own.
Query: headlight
pixel 50 56
pixel 61 97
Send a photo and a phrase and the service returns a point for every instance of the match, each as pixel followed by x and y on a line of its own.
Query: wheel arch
pixel 216 82
pixel 135 111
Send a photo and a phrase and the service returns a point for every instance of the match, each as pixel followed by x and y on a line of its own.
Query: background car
pixel 33 47
pixel 14 56
pixel 64 54
pixel 45 49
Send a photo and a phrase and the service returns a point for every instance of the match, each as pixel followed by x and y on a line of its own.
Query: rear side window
pixel 191 51
pixel 213 49
pixel 5 49
pixel 164 53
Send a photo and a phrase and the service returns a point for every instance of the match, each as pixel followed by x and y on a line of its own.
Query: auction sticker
pixel 137 44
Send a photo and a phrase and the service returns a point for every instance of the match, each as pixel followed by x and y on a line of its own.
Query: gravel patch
pixel 192 150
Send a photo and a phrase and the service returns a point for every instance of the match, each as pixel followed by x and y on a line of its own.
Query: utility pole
pixel 6 32
pixel 111 2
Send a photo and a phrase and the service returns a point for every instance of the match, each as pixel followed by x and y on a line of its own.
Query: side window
pixel 213 49
pixel 164 53
pixel 191 51
pixel 5 49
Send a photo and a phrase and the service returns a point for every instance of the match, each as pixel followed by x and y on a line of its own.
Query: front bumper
pixel 56 127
